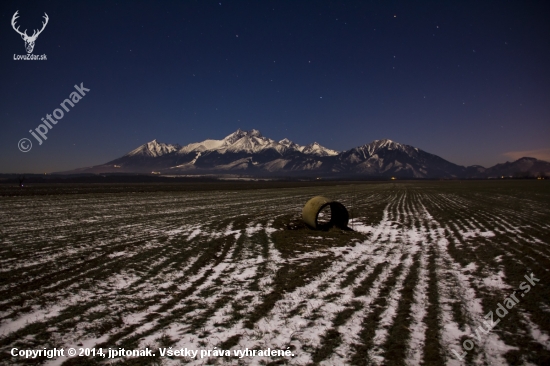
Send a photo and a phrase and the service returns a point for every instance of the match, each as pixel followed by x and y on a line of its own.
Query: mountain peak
pixel 386 142
pixel 288 143
pixel 255 133
pixel 231 138
pixel 317 149
pixel 154 149
pixel 154 143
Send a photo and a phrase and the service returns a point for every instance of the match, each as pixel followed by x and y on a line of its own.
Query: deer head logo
pixel 29 41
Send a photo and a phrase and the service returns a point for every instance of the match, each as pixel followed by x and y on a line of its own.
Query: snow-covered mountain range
pixel 250 142
pixel 248 152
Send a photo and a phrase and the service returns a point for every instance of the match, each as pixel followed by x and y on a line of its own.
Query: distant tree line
pixel 529 175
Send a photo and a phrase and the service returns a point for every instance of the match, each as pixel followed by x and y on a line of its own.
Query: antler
pixel 43 26
pixel 15 16
pixel 24 34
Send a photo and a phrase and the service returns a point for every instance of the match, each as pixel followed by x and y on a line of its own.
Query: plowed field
pixel 412 284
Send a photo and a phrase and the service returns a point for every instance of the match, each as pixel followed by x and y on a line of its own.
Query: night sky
pixel 466 80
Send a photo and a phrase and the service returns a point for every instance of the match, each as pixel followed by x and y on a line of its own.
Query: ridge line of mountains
pixel 250 153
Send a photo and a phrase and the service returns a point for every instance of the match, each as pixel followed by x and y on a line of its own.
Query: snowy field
pixel 413 284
